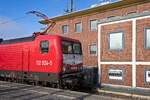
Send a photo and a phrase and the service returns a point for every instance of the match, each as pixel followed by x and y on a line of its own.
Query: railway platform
pixel 16 91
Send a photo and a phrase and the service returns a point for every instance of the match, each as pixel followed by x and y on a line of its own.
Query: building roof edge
pixel 119 18
pixel 101 8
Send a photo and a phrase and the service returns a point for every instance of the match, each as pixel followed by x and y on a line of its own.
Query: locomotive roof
pixel 31 38
pixel 69 39
pixel 18 40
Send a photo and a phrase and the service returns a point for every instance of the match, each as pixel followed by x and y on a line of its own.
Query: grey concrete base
pixel 125 92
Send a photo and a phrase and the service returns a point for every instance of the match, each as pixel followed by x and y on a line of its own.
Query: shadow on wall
pixel 90 77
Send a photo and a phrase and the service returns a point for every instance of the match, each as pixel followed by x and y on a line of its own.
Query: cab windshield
pixel 71 47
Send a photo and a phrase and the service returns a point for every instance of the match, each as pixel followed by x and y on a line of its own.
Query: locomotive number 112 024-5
pixel 44 62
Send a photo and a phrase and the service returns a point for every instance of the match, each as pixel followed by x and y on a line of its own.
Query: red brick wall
pixel 127 75
pixel 122 55
pixel 143 7
pixel 142 53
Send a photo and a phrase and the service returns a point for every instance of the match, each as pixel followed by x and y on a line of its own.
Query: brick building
pixel 122 63
pixel 123 48
pixel 82 25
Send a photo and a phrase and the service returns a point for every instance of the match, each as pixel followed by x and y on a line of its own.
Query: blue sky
pixel 10 10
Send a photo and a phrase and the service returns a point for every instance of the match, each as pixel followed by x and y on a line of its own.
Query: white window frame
pixel 62 27
pixel 145 38
pixel 76 27
pixel 147 78
pixel 90 49
pixel 109 41
pixel 94 29
pixel 131 13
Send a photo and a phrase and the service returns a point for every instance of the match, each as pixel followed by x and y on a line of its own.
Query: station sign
pixel 115 74
pixel 148 76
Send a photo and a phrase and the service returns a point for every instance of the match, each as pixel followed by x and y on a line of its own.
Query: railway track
pixel 16 91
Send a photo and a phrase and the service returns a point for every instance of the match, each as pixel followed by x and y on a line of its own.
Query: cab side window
pixel 44 47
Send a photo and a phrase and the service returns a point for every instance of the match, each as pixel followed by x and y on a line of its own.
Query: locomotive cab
pixel 72 62
pixel 72 56
pixel 62 58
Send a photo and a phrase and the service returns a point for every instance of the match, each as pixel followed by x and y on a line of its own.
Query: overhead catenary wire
pixel 15 19
pixel 38 14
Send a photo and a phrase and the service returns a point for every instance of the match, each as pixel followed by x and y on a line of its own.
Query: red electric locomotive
pixel 41 59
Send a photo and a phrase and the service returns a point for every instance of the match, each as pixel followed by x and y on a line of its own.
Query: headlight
pixel 64 69
pixel 85 77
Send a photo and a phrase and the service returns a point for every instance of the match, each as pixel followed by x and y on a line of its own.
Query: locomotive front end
pixel 72 63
